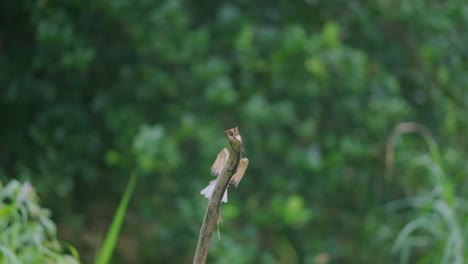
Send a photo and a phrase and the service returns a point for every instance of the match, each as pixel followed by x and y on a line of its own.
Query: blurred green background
pixel 93 90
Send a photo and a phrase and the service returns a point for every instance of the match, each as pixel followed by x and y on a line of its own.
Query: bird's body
pixel 217 168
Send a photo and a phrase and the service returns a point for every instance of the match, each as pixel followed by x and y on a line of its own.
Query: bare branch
pixel 212 211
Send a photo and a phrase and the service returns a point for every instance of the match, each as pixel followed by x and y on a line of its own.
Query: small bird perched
pixel 229 168
pixel 218 167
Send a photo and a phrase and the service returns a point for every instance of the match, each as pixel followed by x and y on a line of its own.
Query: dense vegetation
pixel 93 90
pixel 28 234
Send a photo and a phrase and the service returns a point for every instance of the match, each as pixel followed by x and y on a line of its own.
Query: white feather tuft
pixel 208 191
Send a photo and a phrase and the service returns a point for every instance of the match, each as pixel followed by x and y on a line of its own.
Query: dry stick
pixel 212 211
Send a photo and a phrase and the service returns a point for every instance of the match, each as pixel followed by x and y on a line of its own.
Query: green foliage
pixel 105 253
pixel 28 234
pixel 92 90
pixel 435 224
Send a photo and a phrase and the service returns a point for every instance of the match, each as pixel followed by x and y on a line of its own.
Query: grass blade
pixel 105 253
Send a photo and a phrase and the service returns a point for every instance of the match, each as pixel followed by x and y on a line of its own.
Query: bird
pixel 217 168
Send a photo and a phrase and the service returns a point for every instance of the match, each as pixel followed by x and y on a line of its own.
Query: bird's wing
pixel 220 162
pixel 237 177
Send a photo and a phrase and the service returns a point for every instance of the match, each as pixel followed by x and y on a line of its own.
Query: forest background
pixel 353 114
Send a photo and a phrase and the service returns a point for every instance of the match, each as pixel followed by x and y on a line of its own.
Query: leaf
pixel 105 253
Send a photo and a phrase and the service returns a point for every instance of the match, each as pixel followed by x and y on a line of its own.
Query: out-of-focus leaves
pixel 91 90
pixel 154 150
pixel 28 234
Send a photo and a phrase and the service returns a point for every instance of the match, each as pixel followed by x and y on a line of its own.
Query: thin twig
pixel 212 211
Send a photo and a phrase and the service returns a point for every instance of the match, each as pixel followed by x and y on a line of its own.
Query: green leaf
pixel 105 253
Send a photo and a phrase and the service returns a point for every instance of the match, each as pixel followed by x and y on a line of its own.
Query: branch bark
pixel 212 210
